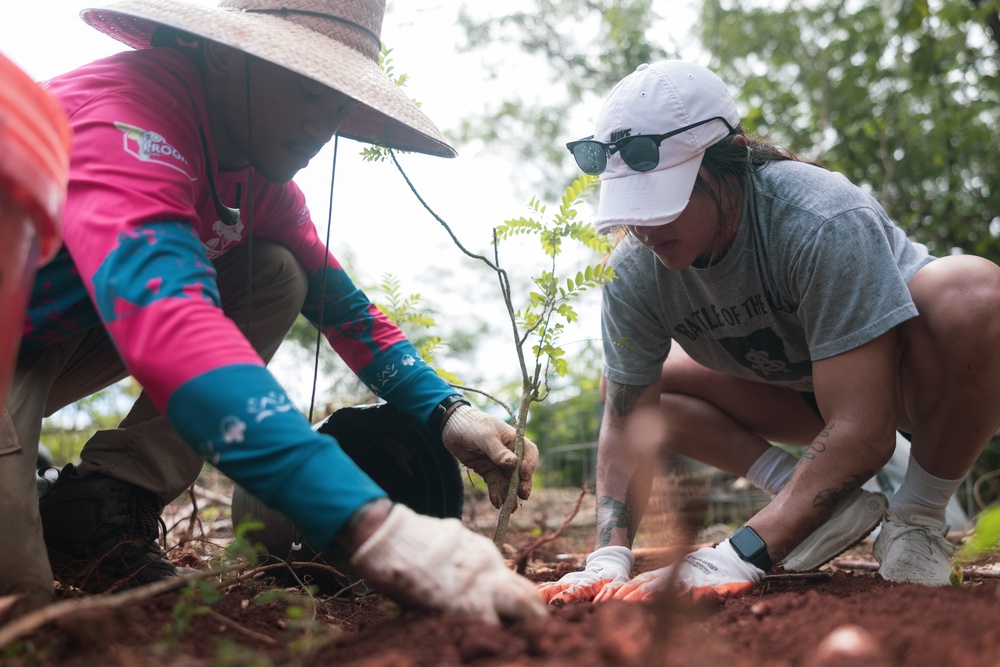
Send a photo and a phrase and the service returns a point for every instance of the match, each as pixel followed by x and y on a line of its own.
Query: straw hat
pixel 334 42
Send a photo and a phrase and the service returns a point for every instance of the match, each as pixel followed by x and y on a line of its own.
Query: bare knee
pixel 958 298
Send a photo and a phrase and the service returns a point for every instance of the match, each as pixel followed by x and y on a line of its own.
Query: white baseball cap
pixel 656 99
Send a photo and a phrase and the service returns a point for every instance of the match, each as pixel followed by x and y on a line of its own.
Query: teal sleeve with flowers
pixel 258 438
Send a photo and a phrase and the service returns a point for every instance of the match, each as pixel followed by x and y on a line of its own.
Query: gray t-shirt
pixel 816 268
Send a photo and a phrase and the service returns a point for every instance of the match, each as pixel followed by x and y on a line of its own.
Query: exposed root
pixel 524 555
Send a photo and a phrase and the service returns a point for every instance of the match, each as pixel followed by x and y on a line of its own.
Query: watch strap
pixel 751 547
pixel 441 412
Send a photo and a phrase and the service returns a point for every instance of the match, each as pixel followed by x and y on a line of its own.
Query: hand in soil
pixel 607 565
pixel 710 573
pixel 440 565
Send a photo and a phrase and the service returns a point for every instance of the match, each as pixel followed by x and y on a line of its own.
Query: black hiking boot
pixel 101 533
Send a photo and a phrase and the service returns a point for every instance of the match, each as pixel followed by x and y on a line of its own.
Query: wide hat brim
pixel 384 115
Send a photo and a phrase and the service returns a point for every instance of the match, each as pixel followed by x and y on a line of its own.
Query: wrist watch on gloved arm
pixel 749 546
pixel 441 412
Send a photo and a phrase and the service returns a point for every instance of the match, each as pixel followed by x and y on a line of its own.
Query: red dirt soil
pixel 844 616
pixel 782 623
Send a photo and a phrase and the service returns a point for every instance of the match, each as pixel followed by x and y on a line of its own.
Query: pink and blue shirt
pixel 140 235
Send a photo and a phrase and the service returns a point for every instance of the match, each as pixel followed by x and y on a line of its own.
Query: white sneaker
pixel 853 520
pixel 914 550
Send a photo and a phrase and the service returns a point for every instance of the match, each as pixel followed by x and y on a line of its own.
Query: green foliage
pixel 299 617
pixel 198 597
pixel 399 308
pixel 229 653
pixel 406 312
pixel 196 600
pixel 900 97
pixel 372 153
pixel 543 319
pixel 385 62
pixel 549 309
pixel 240 549
pixel 985 538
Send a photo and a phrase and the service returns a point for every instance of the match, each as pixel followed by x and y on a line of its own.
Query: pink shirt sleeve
pixel 132 221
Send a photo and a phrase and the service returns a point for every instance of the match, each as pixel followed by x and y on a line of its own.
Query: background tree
pixel 583 45
pixel 901 98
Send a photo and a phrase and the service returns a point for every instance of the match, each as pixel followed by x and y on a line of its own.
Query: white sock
pixel 923 493
pixel 772 470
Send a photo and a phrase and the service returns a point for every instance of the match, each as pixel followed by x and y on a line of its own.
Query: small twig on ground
pixel 31 622
pixel 250 574
pixel 193 520
pixel 36 619
pixel 522 557
pixel 225 620
pixel 825 574
pixel 975 572
pixel 969 571
pixel 846 564
pixel 305 589
pixel 208 494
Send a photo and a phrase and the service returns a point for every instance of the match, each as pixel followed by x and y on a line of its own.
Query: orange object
pixel 34 163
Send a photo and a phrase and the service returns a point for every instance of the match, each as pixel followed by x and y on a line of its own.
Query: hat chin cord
pixel 246 61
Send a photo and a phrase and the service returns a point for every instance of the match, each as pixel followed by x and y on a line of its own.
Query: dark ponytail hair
pixel 731 164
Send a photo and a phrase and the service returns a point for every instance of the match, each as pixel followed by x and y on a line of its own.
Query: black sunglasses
pixel 641 152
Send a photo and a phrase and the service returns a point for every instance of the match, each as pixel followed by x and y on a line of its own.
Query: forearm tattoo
pixel 611 514
pixel 622 398
pixel 818 445
pixel 834 495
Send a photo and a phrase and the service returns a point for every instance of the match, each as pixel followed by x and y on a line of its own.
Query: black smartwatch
pixel 442 410
pixel 749 546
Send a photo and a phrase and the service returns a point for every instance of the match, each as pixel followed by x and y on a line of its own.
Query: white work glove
pixel 486 444
pixel 710 573
pixel 607 565
pixel 439 564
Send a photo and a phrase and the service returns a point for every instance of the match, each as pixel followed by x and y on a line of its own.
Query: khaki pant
pixel 143 450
